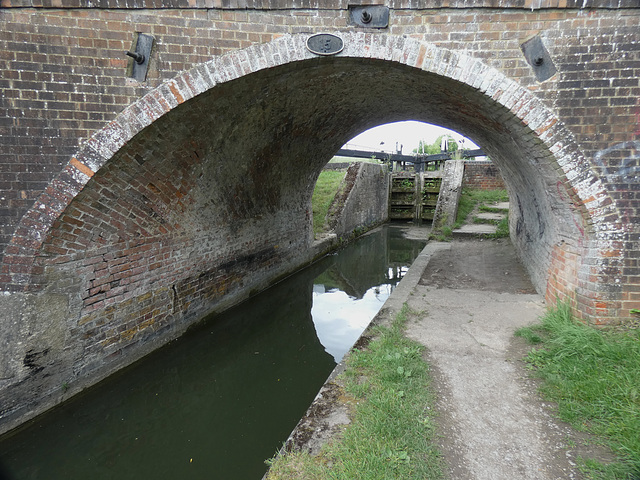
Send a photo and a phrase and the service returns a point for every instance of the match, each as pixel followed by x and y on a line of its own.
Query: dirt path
pixel 471 297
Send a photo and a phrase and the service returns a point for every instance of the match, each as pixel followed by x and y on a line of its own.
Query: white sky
pixel 407 133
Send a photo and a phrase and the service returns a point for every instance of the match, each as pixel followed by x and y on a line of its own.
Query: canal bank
pixel 224 396
pixel 467 297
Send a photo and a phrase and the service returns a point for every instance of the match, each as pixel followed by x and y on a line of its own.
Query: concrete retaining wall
pixel 450 192
pixel 363 199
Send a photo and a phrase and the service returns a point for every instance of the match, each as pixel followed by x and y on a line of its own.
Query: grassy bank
pixel 470 200
pixel 323 194
pixel 594 377
pixel 483 199
pixel 392 432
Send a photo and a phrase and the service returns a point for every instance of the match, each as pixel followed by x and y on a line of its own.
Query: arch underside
pixel 214 196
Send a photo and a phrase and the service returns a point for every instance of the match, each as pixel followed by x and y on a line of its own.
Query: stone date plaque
pixel 325 44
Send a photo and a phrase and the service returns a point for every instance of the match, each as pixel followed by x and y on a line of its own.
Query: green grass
pixel 485 221
pixel 485 208
pixel 502 229
pixel 392 433
pixel 502 226
pixel 594 376
pixel 469 199
pixel 483 199
pixel 323 194
pixel 465 207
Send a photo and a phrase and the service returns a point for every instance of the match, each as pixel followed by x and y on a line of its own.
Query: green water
pixel 217 402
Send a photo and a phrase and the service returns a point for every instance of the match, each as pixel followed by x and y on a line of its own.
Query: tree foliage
pixel 425 149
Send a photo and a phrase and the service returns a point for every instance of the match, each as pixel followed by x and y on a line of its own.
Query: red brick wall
pixel 482 175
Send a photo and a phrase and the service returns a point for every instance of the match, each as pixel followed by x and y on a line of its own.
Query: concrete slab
pixel 475 229
pixel 490 216
pixel 471 299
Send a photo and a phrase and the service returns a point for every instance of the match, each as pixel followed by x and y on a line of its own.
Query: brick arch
pixel 170 209
pixel 578 189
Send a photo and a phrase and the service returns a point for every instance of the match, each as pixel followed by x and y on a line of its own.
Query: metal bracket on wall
pixel 140 54
pixel 538 57
pixel 370 16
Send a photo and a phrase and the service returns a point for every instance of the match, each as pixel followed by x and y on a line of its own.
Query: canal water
pixel 221 399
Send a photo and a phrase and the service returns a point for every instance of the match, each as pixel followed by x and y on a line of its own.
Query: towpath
pixel 470 298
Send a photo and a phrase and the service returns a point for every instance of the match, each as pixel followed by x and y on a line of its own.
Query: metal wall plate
pixel 370 16
pixel 538 57
pixel 325 44
pixel 142 50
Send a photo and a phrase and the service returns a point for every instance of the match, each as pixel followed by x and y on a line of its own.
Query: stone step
pixel 479 229
pixel 490 216
pixel 502 206
pixel 475 229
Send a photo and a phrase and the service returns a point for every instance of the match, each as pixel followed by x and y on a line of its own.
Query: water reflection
pixel 340 319
pixel 222 398
pixel 350 291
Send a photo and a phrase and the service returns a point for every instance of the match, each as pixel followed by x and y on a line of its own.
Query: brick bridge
pixel 129 208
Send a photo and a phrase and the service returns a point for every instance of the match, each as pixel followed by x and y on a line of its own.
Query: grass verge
pixel 470 198
pixel 392 432
pixel 502 229
pixel 594 377
pixel 323 194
